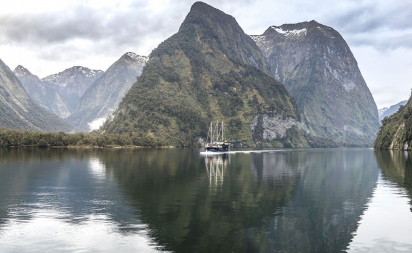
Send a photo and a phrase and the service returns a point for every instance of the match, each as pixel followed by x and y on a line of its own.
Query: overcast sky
pixel 48 36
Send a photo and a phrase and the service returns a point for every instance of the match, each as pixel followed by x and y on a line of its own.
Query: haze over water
pixel 178 200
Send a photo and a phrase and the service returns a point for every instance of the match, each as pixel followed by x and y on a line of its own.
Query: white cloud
pixel 47 36
pixel 96 124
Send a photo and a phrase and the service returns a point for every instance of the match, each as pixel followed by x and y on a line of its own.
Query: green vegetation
pixel 19 138
pixel 396 130
pixel 209 71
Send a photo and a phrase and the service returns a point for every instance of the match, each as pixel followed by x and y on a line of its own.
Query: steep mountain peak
pixel 296 31
pixel 27 79
pixel 207 29
pixel 106 92
pixel 139 58
pixel 206 16
pixel 203 7
pixel 21 71
pixel 89 73
pixel 300 29
pixel 289 32
pixel 209 70
pixel 319 70
pixel 72 73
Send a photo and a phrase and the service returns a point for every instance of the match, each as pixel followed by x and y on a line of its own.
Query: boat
pixel 215 141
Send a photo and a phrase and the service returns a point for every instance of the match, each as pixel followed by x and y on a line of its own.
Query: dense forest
pixel 20 138
pixel 396 130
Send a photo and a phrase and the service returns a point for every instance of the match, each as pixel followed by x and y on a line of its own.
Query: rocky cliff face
pixel 396 130
pixel 60 92
pixel 72 83
pixel 102 98
pixel 41 92
pixel 17 109
pixel 209 70
pixel 321 74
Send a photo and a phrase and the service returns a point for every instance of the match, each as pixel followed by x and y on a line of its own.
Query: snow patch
pixel 258 38
pixel 96 124
pixel 301 32
pixel 137 57
pixel 349 86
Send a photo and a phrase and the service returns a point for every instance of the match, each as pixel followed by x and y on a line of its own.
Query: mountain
pixel 396 130
pixel 60 92
pixel 209 70
pixel 102 98
pixel 42 92
pixel 17 109
pixel 391 110
pixel 72 83
pixel 381 111
pixel 320 72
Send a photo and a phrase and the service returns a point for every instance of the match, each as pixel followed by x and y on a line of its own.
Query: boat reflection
pixel 215 167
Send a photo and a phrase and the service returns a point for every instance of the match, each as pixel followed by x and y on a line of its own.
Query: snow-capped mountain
pixel 58 93
pixel 72 83
pixel 18 110
pixel 318 69
pixel 137 58
pixel 102 98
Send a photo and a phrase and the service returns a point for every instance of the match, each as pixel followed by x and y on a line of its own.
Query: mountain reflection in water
pixel 386 225
pixel 308 200
pixel 63 201
pixel 178 200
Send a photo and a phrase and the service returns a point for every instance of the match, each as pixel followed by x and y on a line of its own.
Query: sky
pixel 49 36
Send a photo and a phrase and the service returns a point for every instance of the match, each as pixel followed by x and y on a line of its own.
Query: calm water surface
pixel 177 200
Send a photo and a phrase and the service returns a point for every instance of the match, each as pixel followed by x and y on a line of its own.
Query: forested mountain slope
pixel 396 130
pixel 210 70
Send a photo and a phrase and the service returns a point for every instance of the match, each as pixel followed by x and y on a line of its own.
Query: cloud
pixel 81 22
pixel 96 124
pixel 384 25
pixel 49 36
pixel 82 31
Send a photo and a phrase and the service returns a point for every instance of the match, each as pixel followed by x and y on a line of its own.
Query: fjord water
pixel 148 200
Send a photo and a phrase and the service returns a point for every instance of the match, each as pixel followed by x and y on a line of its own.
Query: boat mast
pixel 222 131
pixel 218 131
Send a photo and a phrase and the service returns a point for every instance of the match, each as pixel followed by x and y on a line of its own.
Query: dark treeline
pixel 20 138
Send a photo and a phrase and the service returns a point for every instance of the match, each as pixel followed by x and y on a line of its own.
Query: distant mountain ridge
pixel 17 109
pixel 391 110
pixel 58 93
pixel 318 69
pixel 102 98
pixel 209 70
pixel 381 111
